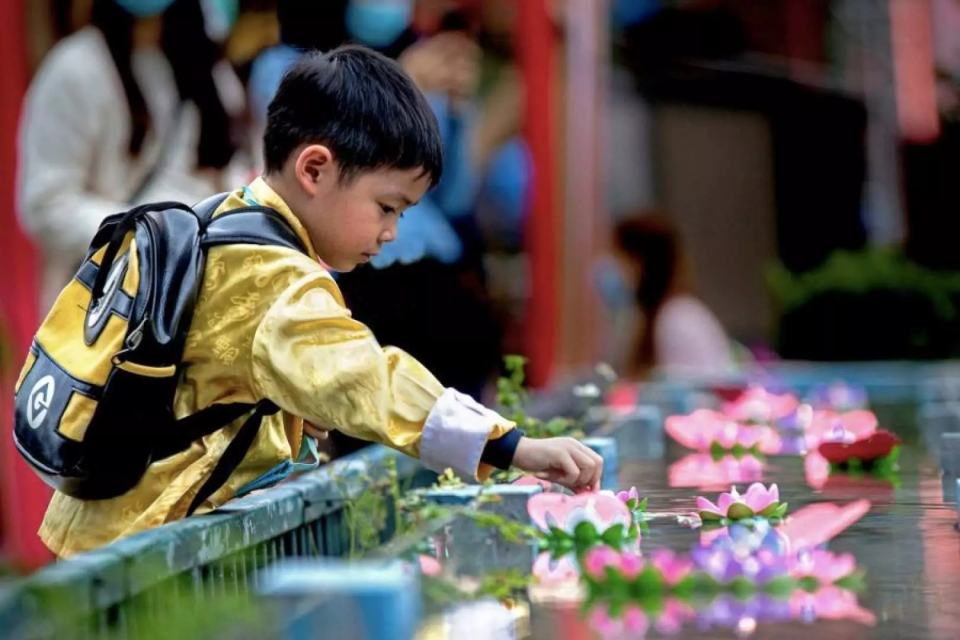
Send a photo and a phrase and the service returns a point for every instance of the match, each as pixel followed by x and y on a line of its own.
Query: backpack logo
pixel 109 289
pixel 41 396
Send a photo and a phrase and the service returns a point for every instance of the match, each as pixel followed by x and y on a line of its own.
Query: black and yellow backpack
pixel 94 401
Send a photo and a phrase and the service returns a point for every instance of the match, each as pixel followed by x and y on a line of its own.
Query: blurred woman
pixel 678 333
pixel 137 107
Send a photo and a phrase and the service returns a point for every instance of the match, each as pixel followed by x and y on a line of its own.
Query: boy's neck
pixel 276 183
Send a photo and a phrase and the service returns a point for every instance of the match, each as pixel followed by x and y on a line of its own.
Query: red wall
pixel 23 497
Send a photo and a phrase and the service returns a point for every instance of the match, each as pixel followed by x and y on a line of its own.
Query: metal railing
pixel 135 586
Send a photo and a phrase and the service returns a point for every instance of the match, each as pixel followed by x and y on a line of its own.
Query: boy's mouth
pixel 367 257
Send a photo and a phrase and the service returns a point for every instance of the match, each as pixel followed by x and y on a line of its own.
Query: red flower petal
pixel 877 445
pixel 728 394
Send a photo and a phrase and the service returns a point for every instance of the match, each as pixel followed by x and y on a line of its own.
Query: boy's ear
pixel 315 167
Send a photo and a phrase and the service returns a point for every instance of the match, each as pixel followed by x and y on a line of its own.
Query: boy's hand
pixel 564 461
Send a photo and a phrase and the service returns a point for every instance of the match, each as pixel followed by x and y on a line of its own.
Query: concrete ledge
pixel 474 550
pixel 638 434
pixel 935 420
pixel 361 600
pixel 607 449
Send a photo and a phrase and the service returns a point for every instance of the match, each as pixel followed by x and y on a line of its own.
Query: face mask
pixel 378 23
pixel 629 12
pixel 219 17
pixel 144 8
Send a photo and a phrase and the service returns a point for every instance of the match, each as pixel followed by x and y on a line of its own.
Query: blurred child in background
pixel 676 333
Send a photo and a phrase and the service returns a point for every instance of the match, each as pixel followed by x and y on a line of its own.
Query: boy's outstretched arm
pixel 313 360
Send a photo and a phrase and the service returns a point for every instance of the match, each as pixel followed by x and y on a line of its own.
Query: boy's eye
pixel 387 209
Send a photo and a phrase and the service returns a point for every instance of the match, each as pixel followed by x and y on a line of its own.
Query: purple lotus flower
pixel 758 500
pixel 838 397
pixel 746 537
pixel 724 564
pixel 720 564
pixel 726 611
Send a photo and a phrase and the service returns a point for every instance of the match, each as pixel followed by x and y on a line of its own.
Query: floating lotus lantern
pixel 708 431
pixel 877 451
pixel 703 471
pixel 828 426
pixel 575 524
pixel 757 501
pixel 758 406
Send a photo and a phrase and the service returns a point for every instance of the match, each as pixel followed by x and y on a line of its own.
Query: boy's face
pixel 349 222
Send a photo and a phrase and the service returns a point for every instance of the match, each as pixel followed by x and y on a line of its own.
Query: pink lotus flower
pixel 700 470
pixel 828 426
pixel 758 500
pixel 632 621
pixel 566 512
pixel 819 523
pixel 816 470
pixel 631 564
pixel 756 405
pixel 825 566
pixel 672 568
pixel 603 624
pixel 672 617
pixel 702 428
pixel 627 563
pixel 596 561
pixel 626 496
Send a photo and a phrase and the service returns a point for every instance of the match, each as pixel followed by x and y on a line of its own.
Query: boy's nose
pixel 389 234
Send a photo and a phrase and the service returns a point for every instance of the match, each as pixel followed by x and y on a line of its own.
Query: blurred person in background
pixel 676 333
pixel 138 106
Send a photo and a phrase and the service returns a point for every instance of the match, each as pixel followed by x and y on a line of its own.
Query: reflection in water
pixel 728 611
pixel 906 545
pixel 702 471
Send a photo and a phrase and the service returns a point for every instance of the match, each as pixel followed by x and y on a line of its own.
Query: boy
pixel 350 143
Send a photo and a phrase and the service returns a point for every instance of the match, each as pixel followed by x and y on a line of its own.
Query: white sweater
pixel 74 166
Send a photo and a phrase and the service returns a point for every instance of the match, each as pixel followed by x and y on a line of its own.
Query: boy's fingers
pixel 571 472
pixel 587 467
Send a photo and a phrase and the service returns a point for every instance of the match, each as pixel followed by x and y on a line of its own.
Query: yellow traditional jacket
pixel 270 323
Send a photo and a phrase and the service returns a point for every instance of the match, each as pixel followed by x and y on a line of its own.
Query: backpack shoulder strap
pixel 247 225
pixel 251 225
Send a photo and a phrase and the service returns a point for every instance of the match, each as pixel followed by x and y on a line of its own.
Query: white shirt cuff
pixel 455 434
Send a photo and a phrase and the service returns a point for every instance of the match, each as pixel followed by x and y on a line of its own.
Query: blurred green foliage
pixel 874 304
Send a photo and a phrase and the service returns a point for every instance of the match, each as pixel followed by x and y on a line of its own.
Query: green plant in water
pixel 449 480
pixel 511 396
pixel 169 610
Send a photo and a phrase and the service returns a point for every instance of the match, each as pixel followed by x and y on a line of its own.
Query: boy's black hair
pixel 362 106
